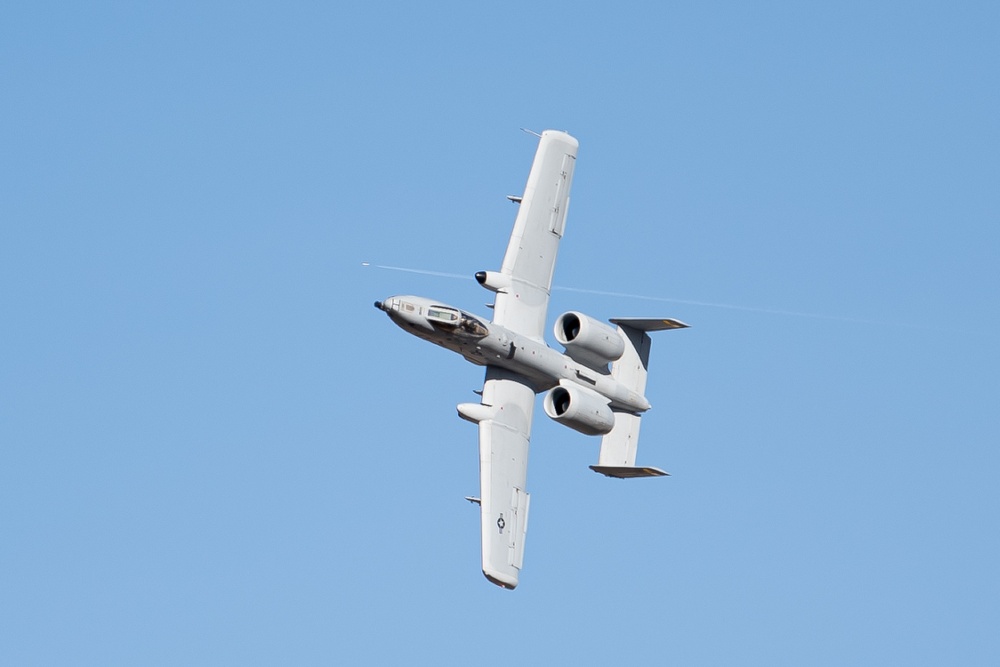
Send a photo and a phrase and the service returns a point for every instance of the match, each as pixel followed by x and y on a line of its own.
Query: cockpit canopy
pixel 444 315
pixel 453 318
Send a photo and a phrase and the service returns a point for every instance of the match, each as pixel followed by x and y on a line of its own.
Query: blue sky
pixel 215 451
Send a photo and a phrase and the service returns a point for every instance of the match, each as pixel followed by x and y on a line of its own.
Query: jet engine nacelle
pixel 587 340
pixel 581 409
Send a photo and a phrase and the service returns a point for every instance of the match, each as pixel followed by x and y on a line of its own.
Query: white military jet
pixel 582 391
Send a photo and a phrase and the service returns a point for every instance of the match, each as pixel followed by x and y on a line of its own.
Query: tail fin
pixel 618 448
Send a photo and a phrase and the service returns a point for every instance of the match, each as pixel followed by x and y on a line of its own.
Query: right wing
pixel 503 469
pixel 534 242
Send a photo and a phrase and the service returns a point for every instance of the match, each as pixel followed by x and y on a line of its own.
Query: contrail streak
pixel 644 297
pixel 710 304
pixel 439 274
pixel 916 324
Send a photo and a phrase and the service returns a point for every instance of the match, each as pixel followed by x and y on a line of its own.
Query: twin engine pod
pixel 581 409
pixel 587 341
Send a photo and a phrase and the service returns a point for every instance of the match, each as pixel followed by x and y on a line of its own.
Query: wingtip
pixel 500 579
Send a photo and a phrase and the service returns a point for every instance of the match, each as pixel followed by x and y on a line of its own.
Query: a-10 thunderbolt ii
pixel 582 392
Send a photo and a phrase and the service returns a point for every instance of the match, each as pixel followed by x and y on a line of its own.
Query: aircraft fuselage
pixel 488 344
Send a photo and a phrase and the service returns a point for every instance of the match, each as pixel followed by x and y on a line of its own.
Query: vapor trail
pixel 710 304
pixel 642 297
pixel 439 274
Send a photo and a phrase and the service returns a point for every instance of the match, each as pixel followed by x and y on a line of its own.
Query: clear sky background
pixel 213 450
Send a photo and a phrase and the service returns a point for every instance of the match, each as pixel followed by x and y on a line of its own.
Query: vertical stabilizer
pixel 618 448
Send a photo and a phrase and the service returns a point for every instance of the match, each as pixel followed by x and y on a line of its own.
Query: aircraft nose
pixel 379 305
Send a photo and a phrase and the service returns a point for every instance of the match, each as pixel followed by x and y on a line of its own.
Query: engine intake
pixel 580 409
pixel 587 340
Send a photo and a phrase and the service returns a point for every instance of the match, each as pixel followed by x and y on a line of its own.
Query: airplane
pixel 581 390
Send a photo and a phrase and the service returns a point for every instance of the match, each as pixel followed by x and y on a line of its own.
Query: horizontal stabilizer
pixel 647 324
pixel 628 472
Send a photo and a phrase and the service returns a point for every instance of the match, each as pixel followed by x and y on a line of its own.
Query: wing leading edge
pixel 541 220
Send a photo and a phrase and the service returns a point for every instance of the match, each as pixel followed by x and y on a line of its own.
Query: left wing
pixel 531 253
pixel 503 469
